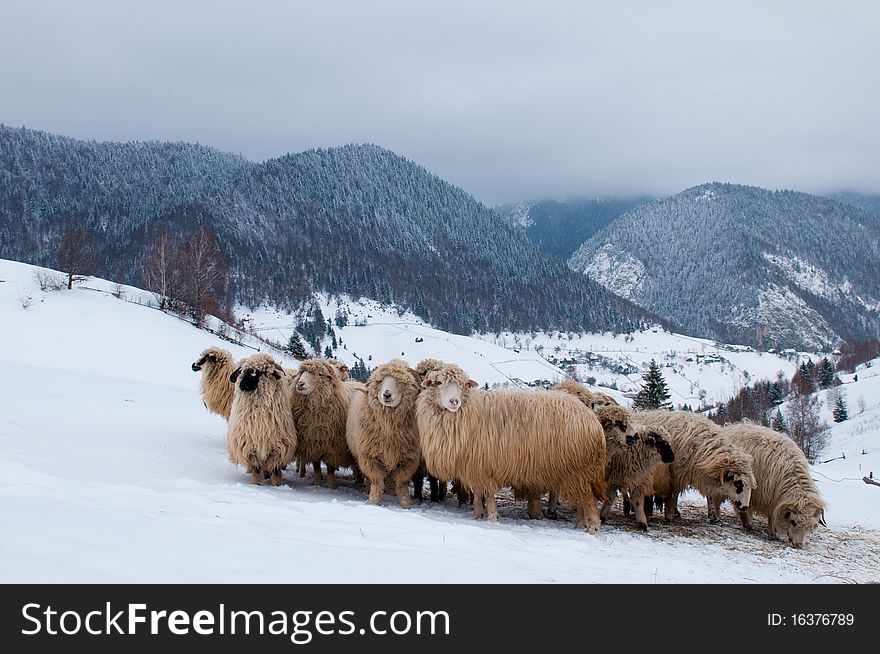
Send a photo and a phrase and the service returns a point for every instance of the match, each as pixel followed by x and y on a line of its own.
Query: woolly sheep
pixel 341 369
pixel 438 487
pixel 704 460
pixel 381 429
pixel 785 493
pixel 528 439
pixel 592 399
pixel 319 405
pixel 216 365
pixel 261 435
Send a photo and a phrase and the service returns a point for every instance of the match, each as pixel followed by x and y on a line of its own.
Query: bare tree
pixel 162 274
pixel 74 252
pixel 204 271
pixel 805 426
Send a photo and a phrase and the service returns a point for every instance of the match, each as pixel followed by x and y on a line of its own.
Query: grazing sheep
pixel 785 492
pixel 261 435
pixel 704 460
pixel 216 365
pixel 381 430
pixel 319 404
pixel 592 399
pixel 528 439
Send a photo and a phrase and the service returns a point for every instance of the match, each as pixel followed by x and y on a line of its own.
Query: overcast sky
pixel 510 100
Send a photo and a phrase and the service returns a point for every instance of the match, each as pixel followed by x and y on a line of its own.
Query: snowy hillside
pixel 112 470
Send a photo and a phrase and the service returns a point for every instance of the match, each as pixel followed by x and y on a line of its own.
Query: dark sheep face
pixel 196 366
pixel 249 380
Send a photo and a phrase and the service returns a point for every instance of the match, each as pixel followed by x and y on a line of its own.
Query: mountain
pixel 864 201
pixel 559 227
pixel 356 219
pixel 746 265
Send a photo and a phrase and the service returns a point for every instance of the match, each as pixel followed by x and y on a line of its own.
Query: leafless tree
pixel 74 252
pixel 805 426
pixel 204 272
pixel 162 273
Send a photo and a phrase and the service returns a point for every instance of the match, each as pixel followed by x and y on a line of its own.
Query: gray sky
pixel 510 100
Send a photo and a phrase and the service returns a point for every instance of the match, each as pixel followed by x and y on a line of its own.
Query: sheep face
pixel 450 387
pixel 208 358
pixel 254 370
pixel 659 444
pixel 738 489
pixel 390 392
pixel 617 425
pixel 798 524
pixel 306 383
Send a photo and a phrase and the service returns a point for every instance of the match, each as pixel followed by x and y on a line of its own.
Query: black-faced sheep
pixel 704 460
pixel 261 435
pixel 216 365
pixel 319 404
pixel 381 430
pixel 785 493
pixel 527 439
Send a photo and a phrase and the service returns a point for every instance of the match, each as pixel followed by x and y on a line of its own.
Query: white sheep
pixel 216 365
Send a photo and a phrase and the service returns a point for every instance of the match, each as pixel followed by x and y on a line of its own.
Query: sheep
pixel 591 399
pixel 785 493
pixel 381 429
pixel 216 365
pixel 341 369
pixel 319 405
pixel 704 460
pixel 261 434
pixel 528 439
pixel 438 487
pixel 427 365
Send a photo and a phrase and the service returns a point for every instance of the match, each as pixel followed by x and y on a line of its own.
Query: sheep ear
pixel 727 476
pixel 276 374
pixel 234 376
pixel 427 383
pixel 472 384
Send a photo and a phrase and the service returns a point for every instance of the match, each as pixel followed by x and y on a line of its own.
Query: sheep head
pixel 657 441
pixel 254 369
pixel 392 383
pixel 427 365
pixel 340 368
pixel 210 357
pixel 736 478
pixel 590 398
pixel 617 425
pixel 449 387
pixel 799 520
pixel 312 373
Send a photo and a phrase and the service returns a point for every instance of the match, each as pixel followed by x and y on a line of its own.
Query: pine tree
pixel 328 353
pixel 825 373
pixel 774 394
pixel 778 423
pixel 296 348
pixel 840 412
pixel 654 393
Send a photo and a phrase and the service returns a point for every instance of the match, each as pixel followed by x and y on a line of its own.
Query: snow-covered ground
pixel 112 470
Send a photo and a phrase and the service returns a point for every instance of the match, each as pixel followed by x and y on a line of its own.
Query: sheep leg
pixel 256 476
pixel 552 503
pixel 401 484
pixel 318 477
pixel 587 517
pixel 492 508
pixel 331 477
pixel 376 474
pixel 478 505
pixel 301 468
pixel 668 508
pixel 714 509
pixel 438 488
pixel 638 505
pixel 276 477
pixel 648 503
pixel 534 507
pixel 745 517
pixel 442 488
pixel 606 510
pixel 627 506
pixel 418 481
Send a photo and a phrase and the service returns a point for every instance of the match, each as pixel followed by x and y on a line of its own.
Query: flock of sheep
pixel 578 445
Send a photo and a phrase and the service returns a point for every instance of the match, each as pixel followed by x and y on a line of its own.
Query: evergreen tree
pixel 778 423
pixel 840 412
pixel 774 394
pixel 328 353
pixel 296 348
pixel 825 375
pixel 654 393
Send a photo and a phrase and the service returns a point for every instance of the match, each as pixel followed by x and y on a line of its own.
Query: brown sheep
pixel 785 493
pixel 704 460
pixel 592 399
pixel 528 439
pixel 216 365
pixel 261 435
pixel 382 430
pixel 319 404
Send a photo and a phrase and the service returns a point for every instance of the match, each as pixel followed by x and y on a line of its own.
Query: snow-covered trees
pixel 654 393
pixel 840 411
